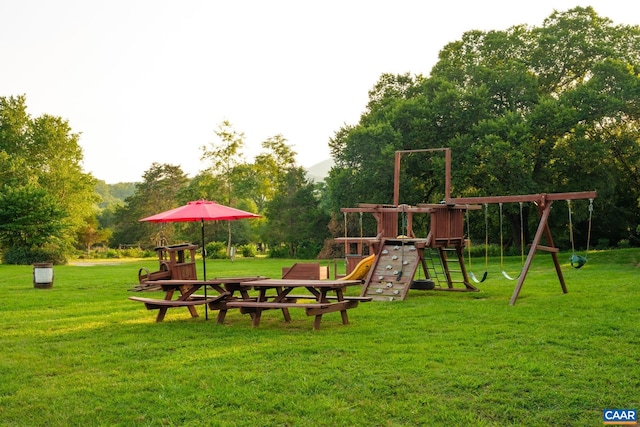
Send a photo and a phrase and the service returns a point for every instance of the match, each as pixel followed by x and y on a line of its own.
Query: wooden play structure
pixel 175 262
pixel 440 255
pixel 400 257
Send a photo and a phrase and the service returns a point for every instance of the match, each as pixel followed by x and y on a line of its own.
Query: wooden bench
pixel 331 297
pixel 155 304
pixel 272 305
pixel 164 304
pixel 316 309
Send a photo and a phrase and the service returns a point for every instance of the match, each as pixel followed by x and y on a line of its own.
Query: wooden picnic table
pixel 325 296
pixel 222 287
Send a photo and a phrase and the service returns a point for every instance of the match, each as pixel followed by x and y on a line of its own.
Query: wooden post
pixel 396 172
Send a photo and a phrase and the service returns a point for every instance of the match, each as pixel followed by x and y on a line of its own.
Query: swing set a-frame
pixel 447 225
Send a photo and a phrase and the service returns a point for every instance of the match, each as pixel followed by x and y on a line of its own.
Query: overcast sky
pixel 148 81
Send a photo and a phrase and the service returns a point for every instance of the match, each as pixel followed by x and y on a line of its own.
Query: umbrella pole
pixel 204 269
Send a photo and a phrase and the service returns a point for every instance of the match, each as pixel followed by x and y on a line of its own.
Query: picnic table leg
pixel 185 294
pixel 262 296
pixel 285 311
pixel 320 297
pixel 168 296
pixel 255 322
pixel 161 312
pixel 221 315
pixel 245 296
pixel 345 318
pixel 316 322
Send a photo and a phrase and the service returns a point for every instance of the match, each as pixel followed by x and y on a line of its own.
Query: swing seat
pixel 475 279
pixel 578 261
pixel 506 275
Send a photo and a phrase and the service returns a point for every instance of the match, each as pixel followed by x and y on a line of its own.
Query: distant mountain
pixel 319 171
pixel 114 194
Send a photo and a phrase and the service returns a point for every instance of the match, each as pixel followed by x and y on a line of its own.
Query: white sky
pixel 150 80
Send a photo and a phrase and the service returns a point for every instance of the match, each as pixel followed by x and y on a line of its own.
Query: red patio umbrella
pixel 201 210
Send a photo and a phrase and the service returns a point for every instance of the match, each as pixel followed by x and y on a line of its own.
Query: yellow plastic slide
pixel 361 270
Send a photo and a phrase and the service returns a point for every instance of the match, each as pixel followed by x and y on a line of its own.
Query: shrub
pixel 111 253
pixel 308 250
pixel 131 253
pixel 603 244
pixel 216 250
pixel 24 256
pixel 248 251
pixel 280 251
pixel 624 244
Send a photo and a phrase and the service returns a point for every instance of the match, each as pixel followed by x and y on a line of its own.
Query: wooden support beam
pixel 543 228
pixel 539 198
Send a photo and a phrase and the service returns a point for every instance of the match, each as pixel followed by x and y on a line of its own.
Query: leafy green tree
pixel 295 218
pixel 42 156
pixel 226 168
pixel 525 110
pixel 56 155
pixel 92 233
pixel 31 225
pixel 157 193
pixel 225 156
pixel 258 181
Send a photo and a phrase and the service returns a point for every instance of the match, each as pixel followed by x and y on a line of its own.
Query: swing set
pixel 543 203
pixel 577 261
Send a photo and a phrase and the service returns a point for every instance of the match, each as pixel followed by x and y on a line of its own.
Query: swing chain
pixel 521 235
pixel 573 249
pixel 589 232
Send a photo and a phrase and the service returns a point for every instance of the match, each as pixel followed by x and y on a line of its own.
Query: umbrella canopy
pixel 201 210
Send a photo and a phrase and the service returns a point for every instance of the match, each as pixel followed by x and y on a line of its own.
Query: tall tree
pixel 42 156
pixel 295 217
pixel 31 226
pixel 525 110
pixel 225 157
pixel 259 181
pixel 157 192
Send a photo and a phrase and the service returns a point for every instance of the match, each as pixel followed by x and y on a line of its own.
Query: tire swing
pixel 486 246
pixel 504 273
pixel 578 261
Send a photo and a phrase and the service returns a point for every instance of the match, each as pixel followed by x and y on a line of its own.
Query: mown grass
pixel 81 353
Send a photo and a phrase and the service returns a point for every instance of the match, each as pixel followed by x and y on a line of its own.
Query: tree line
pixel 526 110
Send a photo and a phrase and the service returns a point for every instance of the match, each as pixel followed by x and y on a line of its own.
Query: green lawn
pixel 82 354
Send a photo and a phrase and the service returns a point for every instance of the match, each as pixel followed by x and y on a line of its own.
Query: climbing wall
pixel 391 276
